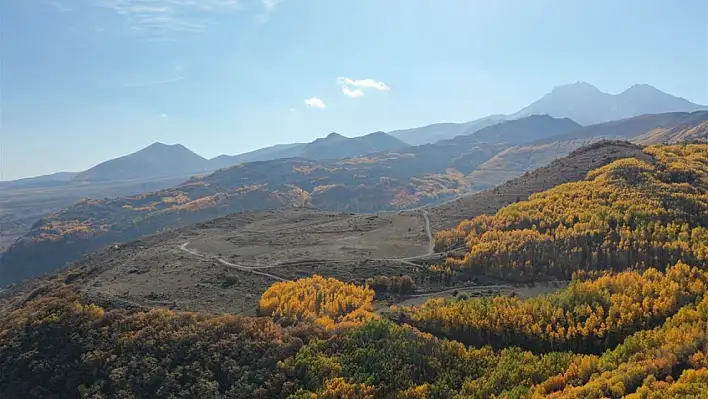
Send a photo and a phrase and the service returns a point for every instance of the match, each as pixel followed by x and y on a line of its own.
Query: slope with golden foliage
pixel 589 316
pixel 628 213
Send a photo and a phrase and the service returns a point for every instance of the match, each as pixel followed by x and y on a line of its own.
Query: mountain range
pixel 160 160
pixel 581 102
pixel 387 180
pixel 378 171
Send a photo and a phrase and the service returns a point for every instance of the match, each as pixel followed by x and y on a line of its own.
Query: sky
pixel 83 81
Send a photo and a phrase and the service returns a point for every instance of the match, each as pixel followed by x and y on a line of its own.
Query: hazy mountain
pixel 585 104
pixel 443 131
pixel 581 102
pixel 55 179
pixel 333 146
pixel 336 146
pixel 263 154
pixel 156 160
pixel 524 130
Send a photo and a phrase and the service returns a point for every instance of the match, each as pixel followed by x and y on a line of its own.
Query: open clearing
pixel 225 264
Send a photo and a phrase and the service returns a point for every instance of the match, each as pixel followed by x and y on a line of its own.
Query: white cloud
pixel 315 102
pixel 352 93
pixel 164 115
pixel 161 17
pixel 269 7
pixel 356 88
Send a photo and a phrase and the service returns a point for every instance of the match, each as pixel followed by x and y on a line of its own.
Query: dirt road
pixel 255 269
pixel 226 263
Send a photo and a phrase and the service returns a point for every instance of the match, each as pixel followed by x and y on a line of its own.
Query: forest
pixel 630 213
pixel 632 323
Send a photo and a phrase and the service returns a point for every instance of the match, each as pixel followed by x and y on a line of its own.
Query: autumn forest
pixel 631 238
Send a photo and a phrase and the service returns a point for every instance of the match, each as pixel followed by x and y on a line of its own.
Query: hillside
pixel 632 324
pixel 632 212
pixel 156 160
pixel 571 168
pixel 644 129
pixel 685 132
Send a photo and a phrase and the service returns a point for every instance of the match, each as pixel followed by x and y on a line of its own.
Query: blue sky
pixel 87 80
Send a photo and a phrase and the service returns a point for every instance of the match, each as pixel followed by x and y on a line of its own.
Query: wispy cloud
pixel 356 88
pixel 162 17
pixel 269 7
pixel 314 102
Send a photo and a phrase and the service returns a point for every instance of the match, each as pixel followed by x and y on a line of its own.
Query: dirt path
pixel 429 233
pixel 254 269
pixel 461 289
pixel 226 263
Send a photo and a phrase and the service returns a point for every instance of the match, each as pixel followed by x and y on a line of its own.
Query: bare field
pixel 213 266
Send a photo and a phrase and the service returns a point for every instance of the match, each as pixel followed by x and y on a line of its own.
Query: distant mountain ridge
pixel 672 127
pixel 586 104
pixel 54 179
pixel 581 102
pixel 160 160
pixel 443 131
pixel 333 146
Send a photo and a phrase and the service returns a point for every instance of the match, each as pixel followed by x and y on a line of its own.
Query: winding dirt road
pixel 247 269
pixel 255 269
